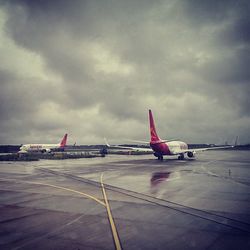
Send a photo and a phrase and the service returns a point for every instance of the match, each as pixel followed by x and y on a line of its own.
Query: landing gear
pixel 181 157
pixel 160 158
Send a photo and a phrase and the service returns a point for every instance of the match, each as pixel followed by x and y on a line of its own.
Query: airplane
pixel 44 148
pixel 172 147
pixel 160 147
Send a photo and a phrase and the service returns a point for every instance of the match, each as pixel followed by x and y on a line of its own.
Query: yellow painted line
pixel 59 187
pixel 111 221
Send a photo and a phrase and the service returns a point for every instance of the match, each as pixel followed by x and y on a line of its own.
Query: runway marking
pixel 58 187
pixel 111 221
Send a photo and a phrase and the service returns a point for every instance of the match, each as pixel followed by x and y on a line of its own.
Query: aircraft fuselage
pixel 38 147
pixel 168 148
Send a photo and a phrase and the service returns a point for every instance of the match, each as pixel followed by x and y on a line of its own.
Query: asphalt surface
pixel 190 204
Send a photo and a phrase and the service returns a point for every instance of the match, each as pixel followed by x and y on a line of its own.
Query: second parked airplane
pixel 44 148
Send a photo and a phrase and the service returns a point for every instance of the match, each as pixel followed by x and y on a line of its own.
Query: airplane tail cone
pixel 153 133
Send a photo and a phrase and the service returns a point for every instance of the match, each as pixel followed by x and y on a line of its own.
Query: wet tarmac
pixel 190 204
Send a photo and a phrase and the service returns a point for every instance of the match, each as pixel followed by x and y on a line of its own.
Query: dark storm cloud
pixel 12 102
pixel 232 38
pixel 20 101
pixel 212 11
pixel 231 69
pixel 187 60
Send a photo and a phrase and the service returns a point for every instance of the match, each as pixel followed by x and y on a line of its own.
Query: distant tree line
pixel 9 148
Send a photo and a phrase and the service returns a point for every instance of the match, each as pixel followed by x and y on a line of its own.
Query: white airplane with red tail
pixel 44 148
pixel 161 147
pixel 172 147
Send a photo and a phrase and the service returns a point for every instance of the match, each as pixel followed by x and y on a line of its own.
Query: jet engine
pixel 47 150
pixel 190 154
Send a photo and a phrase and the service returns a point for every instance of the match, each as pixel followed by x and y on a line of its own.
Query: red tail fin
pixel 153 134
pixel 64 141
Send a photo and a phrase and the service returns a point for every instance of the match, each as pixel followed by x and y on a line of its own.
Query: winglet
pixel 106 142
pixel 236 141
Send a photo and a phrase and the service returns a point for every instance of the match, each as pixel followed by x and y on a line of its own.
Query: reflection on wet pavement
pixel 159 177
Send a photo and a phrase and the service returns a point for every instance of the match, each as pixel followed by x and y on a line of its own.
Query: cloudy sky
pixel 94 68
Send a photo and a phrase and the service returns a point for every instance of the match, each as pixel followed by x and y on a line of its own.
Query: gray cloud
pixel 93 68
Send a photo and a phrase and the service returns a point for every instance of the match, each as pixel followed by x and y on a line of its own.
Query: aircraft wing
pixel 195 150
pixel 131 148
pixel 137 141
pixel 211 148
pixel 146 142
